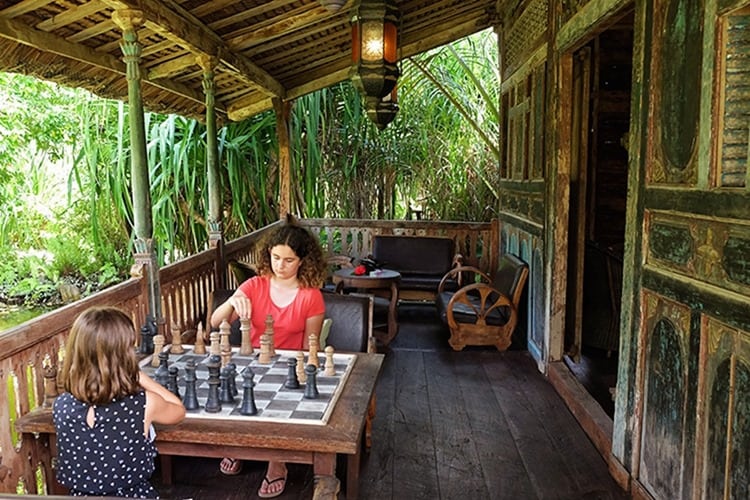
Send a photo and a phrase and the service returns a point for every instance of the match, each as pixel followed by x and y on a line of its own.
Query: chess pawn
pixel 190 401
pixel 246 346
pixel 214 347
pixel 158 347
pixel 200 342
pixel 176 347
pixel 312 358
pixel 269 333
pixel 147 340
pixel 172 381
pixel 225 395
pixel 301 367
pixel 248 397
pixel 213 403
pixel 225 329
pixel 330 370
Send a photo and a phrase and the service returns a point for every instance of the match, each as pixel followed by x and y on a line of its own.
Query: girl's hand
pixel 241 305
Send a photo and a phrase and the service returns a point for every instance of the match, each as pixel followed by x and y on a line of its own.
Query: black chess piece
pixel 147 340
pixel 311 386
pixel 232 379
pixel 248 396
pixel 190 401
pixel 172 381
pixel 161 374
pixel 292 382
pixel 213 403
pixel 225 395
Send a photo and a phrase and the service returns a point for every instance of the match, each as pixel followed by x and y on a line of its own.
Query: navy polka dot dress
pixel 113 458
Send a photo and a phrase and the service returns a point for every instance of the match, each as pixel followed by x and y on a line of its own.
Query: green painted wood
pixel 721 204
pixel 671 243
pixel 585 21
pixel 664 412
pixel 679 89
pixel 730 308
pixel 736 261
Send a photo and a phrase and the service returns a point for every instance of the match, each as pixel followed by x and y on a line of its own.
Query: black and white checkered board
pixel 273 400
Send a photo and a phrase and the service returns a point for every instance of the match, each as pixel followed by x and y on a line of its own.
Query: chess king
pixel 290 273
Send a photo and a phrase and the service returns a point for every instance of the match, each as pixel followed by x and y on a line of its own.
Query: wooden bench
pixel 484 312
pixel 422 262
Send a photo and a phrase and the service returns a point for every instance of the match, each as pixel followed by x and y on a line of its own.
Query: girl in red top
pixel 290 274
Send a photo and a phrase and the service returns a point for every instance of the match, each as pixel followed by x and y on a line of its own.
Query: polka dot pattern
pixel 113 458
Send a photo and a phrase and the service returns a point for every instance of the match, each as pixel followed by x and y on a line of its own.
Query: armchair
pixel 484 312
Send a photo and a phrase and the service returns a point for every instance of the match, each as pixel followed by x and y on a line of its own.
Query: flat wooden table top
pixel 382 279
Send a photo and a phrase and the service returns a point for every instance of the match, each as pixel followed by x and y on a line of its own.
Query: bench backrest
pixel 510 277
pixel 414 254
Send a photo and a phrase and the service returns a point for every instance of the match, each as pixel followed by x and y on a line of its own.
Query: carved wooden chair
pixel 484 312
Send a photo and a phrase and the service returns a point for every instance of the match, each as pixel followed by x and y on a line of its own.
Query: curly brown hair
pixel 313 267
pixel 100 362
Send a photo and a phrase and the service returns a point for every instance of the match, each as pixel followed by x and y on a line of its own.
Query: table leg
pixel 327 485
pixel 352 476
pixel 392 314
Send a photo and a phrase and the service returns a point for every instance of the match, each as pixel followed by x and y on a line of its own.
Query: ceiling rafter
pixel 21 33
pixel 179 25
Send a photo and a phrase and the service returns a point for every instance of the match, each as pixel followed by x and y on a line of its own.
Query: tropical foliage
pixel 65 174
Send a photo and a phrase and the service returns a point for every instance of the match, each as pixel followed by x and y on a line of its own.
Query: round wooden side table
pixel 383 280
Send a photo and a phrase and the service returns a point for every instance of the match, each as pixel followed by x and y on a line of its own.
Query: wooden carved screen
pixel 693 376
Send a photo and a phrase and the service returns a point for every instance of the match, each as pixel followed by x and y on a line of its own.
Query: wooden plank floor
pixel 476 424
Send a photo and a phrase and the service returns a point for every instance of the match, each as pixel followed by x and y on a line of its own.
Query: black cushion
pixel 462 313
pixel 420 255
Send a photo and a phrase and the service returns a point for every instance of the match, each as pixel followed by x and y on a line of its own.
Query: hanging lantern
pixel 375 48
pixel 332 5
pixel 382 111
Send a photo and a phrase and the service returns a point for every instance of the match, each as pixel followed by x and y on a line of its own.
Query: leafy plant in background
pixel 440 154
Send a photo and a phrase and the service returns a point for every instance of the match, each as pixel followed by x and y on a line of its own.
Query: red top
pixel 289 321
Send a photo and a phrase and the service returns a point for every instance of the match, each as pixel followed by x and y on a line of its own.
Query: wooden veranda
pixel 625 158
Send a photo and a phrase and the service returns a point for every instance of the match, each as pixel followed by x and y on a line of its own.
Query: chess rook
pixel 311 387
pixel 291 376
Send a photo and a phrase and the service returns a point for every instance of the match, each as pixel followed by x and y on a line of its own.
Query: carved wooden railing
pixel 25 461
pixel 478 243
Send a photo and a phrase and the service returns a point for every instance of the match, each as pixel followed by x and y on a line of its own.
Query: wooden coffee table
pixel 384 283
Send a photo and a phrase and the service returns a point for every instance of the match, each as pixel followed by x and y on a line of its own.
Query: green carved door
pixel 682 424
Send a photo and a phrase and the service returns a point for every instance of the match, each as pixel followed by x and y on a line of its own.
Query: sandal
pixel 266 484
pixel 230 466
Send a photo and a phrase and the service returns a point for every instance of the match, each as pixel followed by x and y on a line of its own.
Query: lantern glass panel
pixel 390 47
pixel 372 41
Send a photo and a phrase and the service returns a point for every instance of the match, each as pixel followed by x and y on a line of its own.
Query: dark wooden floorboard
pixel 470 425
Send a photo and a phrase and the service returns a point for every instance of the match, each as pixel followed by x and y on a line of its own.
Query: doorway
pixel 600 118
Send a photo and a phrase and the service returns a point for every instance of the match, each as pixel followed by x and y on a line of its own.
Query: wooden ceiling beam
pixel 70 16
pixel 175 23
pixel 22 8
pixel 47 42
pixel 299 18
pixel 173 67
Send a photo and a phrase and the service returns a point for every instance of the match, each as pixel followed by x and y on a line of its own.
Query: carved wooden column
pixel 215 229
pixel 282 110
pixel 128 20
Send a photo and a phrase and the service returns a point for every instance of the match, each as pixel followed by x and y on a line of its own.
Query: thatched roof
pixel 265 49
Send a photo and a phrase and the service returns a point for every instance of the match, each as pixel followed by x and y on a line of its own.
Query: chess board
pixel 274 401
